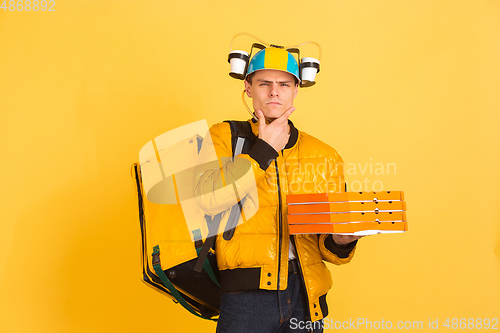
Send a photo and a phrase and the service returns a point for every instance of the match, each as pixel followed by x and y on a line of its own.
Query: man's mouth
pixel 274 103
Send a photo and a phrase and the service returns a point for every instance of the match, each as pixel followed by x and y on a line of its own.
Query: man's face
pixel 272 92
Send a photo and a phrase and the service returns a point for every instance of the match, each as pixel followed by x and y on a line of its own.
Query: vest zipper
pixel 279 221
pixel 292 237
pixel 293 241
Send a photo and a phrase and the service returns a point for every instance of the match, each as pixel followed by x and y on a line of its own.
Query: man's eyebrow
pixel 267 81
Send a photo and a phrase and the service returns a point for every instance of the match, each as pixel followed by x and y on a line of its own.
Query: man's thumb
pixel 260 116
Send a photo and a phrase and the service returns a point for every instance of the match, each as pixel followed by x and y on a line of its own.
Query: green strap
pixel 208 269
pixel 169 285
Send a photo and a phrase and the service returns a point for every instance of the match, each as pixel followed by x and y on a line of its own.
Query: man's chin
pixel 272 115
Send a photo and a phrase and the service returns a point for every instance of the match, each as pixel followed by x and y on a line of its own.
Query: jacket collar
pixel 294 133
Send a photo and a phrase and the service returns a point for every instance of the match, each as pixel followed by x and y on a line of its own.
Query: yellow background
pixel 83 88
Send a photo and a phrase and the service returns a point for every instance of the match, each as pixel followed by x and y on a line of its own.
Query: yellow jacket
pixel 256 257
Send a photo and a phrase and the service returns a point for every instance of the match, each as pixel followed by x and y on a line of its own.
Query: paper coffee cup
pixel 308 72
pixel 238 60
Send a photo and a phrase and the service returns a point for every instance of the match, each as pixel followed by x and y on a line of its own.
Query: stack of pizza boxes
pixel 351 213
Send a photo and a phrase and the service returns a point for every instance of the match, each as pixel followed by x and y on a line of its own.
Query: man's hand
pixel 343 240
pixel 275 133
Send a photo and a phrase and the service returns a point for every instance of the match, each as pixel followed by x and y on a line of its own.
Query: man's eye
pixel 285 85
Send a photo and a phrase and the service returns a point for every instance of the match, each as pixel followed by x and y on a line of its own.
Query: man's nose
pixel 274 90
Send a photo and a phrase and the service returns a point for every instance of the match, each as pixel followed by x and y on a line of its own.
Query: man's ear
pixel 296 91
pixel 247 89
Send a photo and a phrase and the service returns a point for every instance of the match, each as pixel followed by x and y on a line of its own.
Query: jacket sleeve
pixel 334 253
pixel 331 251
pixel 219 180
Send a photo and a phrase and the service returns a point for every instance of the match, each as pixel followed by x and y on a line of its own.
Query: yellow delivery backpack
pixel 172 263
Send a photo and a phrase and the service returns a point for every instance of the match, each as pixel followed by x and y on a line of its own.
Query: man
pixel 271 281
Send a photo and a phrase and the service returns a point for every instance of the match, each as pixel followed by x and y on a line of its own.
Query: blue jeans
pixel 267 311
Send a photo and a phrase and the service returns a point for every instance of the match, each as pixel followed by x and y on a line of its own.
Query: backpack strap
pixel 213 226
pixel 242 137
pixel 242 140
pixel 170 287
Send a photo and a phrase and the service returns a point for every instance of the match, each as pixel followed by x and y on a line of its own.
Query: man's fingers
pixel 284 116
pixel 260 116
pixel 345 239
